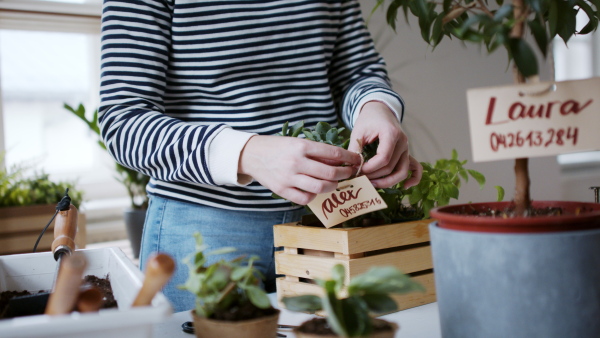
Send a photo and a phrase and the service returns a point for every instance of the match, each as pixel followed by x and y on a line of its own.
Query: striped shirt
pixel 186 83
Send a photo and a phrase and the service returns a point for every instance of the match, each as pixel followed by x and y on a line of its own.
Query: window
pixel 49 55
pixel 575 61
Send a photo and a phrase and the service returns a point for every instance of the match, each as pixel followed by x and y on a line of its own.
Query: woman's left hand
pixel 393 161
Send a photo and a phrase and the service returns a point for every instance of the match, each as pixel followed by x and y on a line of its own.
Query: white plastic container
pixel 34 272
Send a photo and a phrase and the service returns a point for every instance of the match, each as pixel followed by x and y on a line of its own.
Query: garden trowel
pixel 63 245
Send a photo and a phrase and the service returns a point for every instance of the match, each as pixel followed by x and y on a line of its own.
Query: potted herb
pixel 396 236
pixel 502 266
pixel 229 299
pixel 28 200
pixel 133 181
pixel 349 310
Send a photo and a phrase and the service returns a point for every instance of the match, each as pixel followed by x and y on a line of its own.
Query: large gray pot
pixel 517 285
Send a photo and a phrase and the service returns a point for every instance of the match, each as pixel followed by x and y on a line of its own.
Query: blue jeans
pixel 170 226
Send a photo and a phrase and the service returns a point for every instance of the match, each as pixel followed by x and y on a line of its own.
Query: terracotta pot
pixel 252 328
pixel 577 216
pixel 381 334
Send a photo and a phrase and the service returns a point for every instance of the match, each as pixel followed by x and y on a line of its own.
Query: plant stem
pixel 522 199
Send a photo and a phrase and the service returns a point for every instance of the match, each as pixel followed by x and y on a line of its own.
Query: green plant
pixel 223 285
pixel 504 24
pixel 349 309
pixel 20 187
pixel 439 183
pixel 134 181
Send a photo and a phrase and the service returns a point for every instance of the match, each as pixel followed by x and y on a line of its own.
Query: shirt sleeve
pixel 136 39
pixel 358 74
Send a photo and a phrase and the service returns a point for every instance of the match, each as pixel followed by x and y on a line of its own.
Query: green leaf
pixel 478 177
pixel 258 296
pixel 380 303
pixel 284 129
pixel 500 191
pixel 524 57
pixel 540 35
pixel 239 272
pixel 297 128
pixel 503 12
pixel 304 303
pixel 338 274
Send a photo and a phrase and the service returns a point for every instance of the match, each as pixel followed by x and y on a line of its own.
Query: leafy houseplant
pixel 497 267
pixel 229 300
pixel 18 188
pixel 501 25
pixel 133 181
pixel 349 309
pixel 439 184
pixel 28 200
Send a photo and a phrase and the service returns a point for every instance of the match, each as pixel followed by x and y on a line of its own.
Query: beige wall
pixel 433 85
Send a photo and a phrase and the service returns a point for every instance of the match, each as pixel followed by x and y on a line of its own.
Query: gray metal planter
pixel 517 285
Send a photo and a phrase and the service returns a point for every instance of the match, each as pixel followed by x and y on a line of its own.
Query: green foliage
pixel 349 309
pixel 479 22
pixel 134 181
pixel 439 183
pixel 224 284
pixel 19 187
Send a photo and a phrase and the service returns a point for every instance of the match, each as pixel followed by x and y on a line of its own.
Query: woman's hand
pixel 392 162
pixel 296 169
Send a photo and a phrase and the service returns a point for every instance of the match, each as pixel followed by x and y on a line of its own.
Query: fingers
pixel 329 154
pixel 399 173
pixel 417 173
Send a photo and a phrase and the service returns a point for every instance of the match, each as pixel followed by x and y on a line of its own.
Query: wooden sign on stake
pixel 352 198
pixel 541 119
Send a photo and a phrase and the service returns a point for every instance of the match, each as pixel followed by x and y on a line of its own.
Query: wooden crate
pixel 310 252
pixel 21 226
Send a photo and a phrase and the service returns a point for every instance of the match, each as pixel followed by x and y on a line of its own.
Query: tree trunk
pixel 522 182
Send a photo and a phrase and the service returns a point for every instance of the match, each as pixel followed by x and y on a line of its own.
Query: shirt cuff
pixel 223 157
pixel 391 101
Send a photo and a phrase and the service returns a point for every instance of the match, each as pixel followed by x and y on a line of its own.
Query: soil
pixel 319 326
pixel 243 311
pixel 104 285
pixel 101 283
pixel 509 212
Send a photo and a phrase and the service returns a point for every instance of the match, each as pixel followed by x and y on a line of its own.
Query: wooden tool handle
pixel 69 279
pixel 90 300
pixel 65 230
pixel 159 269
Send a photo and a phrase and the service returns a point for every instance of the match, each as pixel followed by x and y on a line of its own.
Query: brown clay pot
pixel 252 328
pixel 381 334
pixel 577 216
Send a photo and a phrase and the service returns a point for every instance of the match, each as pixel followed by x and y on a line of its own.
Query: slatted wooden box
pixel 311 251
pixel 21 226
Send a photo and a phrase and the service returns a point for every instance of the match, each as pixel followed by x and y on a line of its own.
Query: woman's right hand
pixel 296 169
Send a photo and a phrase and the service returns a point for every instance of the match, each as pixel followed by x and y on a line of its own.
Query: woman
pixel 193 92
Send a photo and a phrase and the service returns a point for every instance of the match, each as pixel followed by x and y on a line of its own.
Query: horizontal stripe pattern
pixel 176 72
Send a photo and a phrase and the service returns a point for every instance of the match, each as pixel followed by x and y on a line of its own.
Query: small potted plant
pixel 28 200
pixel 133 181
pixel 229 299
pixel 349 310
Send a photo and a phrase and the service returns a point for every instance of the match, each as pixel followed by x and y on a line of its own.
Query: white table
pixel 419 322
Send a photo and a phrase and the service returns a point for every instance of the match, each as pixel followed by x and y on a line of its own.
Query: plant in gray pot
pixel 133 181
pixel 522 268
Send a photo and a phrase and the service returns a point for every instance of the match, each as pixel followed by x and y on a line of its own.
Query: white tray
pixel 34 272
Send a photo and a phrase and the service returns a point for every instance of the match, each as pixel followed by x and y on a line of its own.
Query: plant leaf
pixel 258 296
pixel 303 303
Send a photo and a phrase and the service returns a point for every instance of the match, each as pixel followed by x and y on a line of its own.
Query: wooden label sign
pixel 530 120
pixel 352 198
